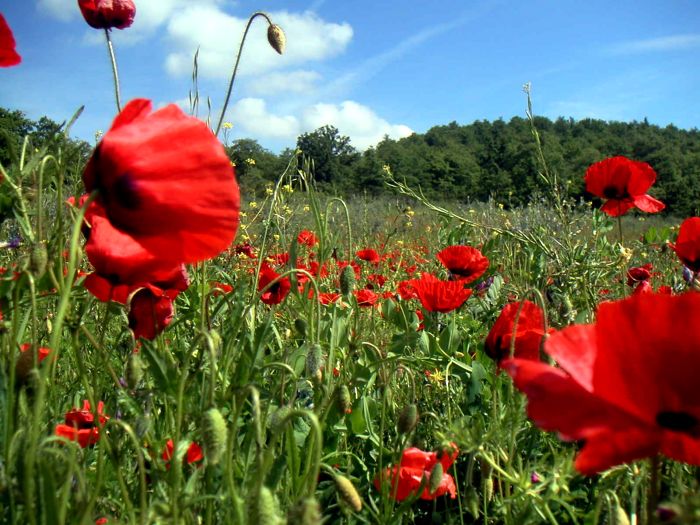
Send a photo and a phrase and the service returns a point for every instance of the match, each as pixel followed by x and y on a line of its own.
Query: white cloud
pixel 285 82
pixel 309 38
pixel 252 118
pixel 667 43
pixel 61 9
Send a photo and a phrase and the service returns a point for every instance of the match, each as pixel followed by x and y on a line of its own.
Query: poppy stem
pixel 115 71
pixel 235 67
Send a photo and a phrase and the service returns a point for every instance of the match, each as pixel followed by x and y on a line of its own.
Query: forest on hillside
pixel 471 162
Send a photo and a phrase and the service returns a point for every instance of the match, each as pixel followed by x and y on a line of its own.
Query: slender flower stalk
pixel 276 39
pixel 115 71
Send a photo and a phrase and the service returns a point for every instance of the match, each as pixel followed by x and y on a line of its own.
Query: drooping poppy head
pixel 626 385
pixel 276 292
pixel 464 263
pixel 687 245
pixel 439 296
pixel 623 183
pixel 8 53
pixel 167 194
pixel 638 274
pixel 80 425
pixel 528 332
pixel 106 14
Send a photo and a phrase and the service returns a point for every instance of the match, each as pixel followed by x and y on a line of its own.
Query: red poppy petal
pixel 616 207
pixel 8 54
pixel 648 204
pixel 681 447
pixel 608 449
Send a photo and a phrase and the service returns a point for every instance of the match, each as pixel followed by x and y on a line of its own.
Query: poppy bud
pixel 301 326
pixel 264 509
pixel 38 259
pixel 314 362
pixel 306 512
pixel 214 435
pixel 276 420
pixel 436 477
pixel 472 501
pixel 408 419
pixel 348 492
pixel 619 516
pixel 347 280
pixel 276 37
pixel 134 370
pixel 344 399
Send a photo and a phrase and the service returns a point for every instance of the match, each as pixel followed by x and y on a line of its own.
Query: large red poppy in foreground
pixel 167 195
pixel 687 245
pixel 8 54
pixel 627 385
pixel 624 184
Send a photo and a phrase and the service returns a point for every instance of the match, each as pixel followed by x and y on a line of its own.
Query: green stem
pixel 653 489
pixel 235 67
pixel 115 72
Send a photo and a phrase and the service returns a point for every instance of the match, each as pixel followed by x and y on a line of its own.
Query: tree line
pixel 467 162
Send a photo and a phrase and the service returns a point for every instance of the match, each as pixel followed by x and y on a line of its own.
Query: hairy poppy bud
pixel 348 492
pixel 408 419
pixel 344 399
pixel 264 509
pixel 619 516
pixel 134 370
pixel 436 477
pixel 314 362
pixel 214 435
pixel 38 259
pixel 276 420
pixel 347 280
pixel 306 512
pixel 276 37
pixel 472 501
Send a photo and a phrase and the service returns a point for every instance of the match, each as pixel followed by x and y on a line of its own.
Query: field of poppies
pixel 171 354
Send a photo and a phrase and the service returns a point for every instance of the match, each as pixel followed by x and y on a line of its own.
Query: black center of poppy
pixel 125 192
pixel 612 192
pixel 678 422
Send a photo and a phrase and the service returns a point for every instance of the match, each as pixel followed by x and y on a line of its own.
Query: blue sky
pixel 368 67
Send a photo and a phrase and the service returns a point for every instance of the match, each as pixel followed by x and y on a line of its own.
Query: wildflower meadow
pixel 174 354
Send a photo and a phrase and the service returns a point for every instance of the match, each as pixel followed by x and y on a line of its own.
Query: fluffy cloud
pixel 217 35
pixel 365 128
pixel 61 9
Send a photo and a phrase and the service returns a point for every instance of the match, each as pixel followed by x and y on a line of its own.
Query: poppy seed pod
pixel 214 434
pixel 348 492
pixel 276 37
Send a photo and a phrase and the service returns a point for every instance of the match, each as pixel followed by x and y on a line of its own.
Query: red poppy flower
pixel 464 263
pixel 406 290
pixel 276 293
pixel 687 245
pixel 307 238
pixel 624 184
pixel 106 289
pixel 8 54
pixel 440 296
pixel 325 298
pixel 150 312
pixel 106 14
pixel 167 194
pixel 245 249
pixel 218 288
pixel 627 385
pixel 194 453
pixel 80 425
pixel 638 274
pixel 42 353
pixel 369 255
pixel 415 465
pixel 366 298
pixel 376 278
pixel 528 334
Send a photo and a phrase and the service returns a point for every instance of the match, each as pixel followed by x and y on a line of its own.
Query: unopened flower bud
pixel 347 280
pixel 314 361
pixel 344 399
pixel 619 516
pixel 348 492
pixel 214 435
pixel 38 259
pixel 306 512
pixel 408 419
pixel 264 509
pixel 276 37
pixel 436 477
